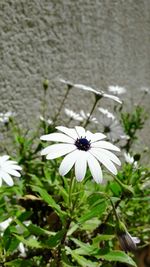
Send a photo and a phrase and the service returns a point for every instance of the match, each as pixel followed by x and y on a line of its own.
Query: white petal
pixel 7 178
pixel 115 98
pixel 105 161
pixel 13 172
pixel 59 150
pixel 11 162
pixel 68 162
pixel 58 137
pixel 57 147
pixel 81 165
pixel 12 166
pixel 80 131
pixel 95 168
pixel 4 158
pixel 95 137
pixel 105 145
pixel 68 131
pixel 107 154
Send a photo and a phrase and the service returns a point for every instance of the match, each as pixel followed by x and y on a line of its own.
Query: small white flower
pixel 85 116
pixel 111 125
pixel 117 89
pixel 8 168
pixel 99 93
pixel 73 115
pixel 5 224
pixel 49 122
pixel 4 117
pixel 107 113
pixel 146 90
pixel 130 159
pixel 82 148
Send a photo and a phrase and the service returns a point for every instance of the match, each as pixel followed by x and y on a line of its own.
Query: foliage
pixel 61 222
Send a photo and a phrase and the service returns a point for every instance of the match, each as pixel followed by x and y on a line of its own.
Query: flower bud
pixel 127 242
pixel 45 84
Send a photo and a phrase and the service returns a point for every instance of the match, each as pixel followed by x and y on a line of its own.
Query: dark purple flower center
pixel 83 144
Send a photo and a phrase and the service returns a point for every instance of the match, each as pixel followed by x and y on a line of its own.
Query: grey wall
pixel 94 42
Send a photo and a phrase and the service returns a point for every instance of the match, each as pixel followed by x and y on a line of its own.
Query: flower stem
pixel 62 103
pixel 91 112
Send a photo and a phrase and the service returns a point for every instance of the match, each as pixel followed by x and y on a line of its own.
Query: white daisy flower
pixel 85 116
pixel 4 117
pixel 8 168
pixel 82 148
pixel 73 115
pixel 117 90
pixel 111 125
pixel 98 93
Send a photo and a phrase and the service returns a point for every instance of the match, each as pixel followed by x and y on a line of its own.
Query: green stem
pixel 62 104
pixel 91 112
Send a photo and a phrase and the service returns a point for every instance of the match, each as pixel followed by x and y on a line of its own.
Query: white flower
pixel 4 117
pixel 98 93
pixel 47 121
pixel 85 116
pixel 111 125
pixel 5 224
pixel 82 148
pixel 130 159
pixel 117 89
pixel 107 113
pixel 8 168
pixel 146 90
pixel 73 115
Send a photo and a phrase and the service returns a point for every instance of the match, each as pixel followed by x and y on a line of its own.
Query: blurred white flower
pixel 86 115
pixel 111 125
pixel 73 115
pixel 82 148
pixel 146 90
pixel 130 159
pixel 8 168
pixel 5 117
pixel 22 249
pixel 98 93
pixel 5 224
pixel 47 121
pixel 117 90
pixel 107 113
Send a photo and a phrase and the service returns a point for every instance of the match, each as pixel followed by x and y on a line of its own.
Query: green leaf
pixel 80 259
pixel 118 256
pixel 30 242
pixel 95 212
pixel 53 241
pixel 100 238
pixel 19 263
pixel 36 230
pixel 85 249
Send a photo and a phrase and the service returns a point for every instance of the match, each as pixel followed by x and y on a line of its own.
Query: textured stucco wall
pixel 94 42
